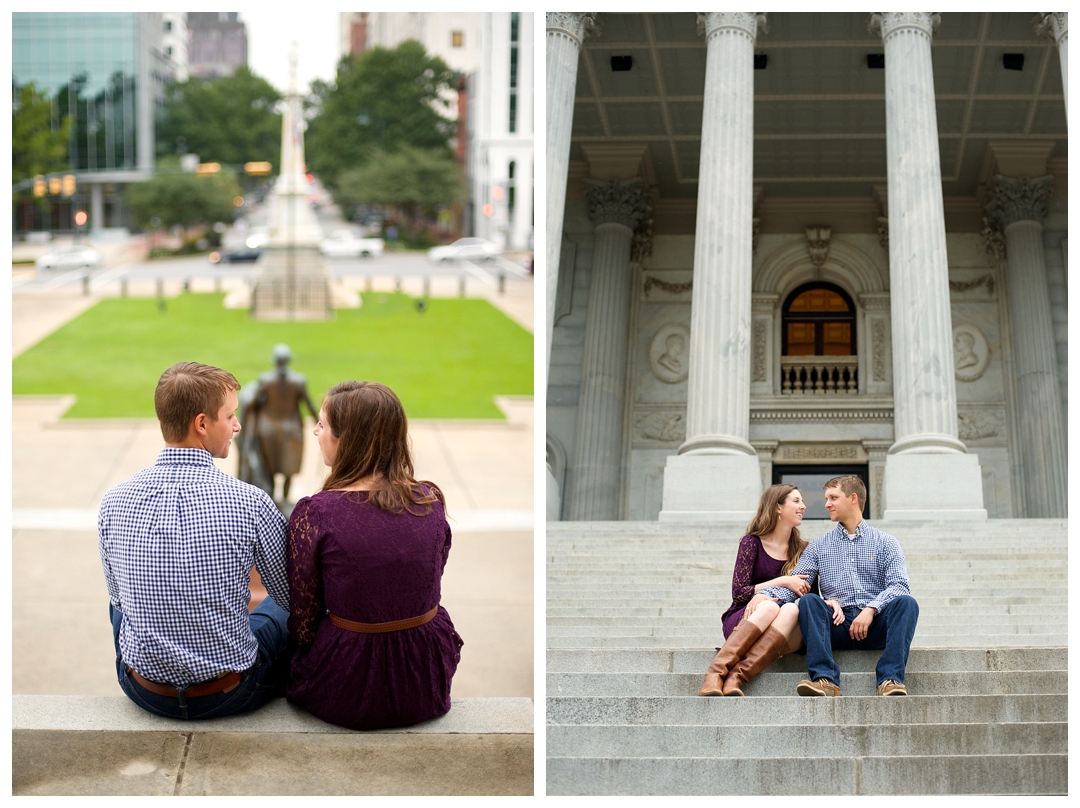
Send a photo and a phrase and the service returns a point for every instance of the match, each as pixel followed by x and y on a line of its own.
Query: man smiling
pixel 177 542
pixel 864 571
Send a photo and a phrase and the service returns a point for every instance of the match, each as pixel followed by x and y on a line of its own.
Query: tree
pixel 381 101
pixel 230 120
pixel 415 180
pixel 37 147
pixel 184 199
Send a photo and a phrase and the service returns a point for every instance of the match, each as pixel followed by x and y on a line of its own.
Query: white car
pixel 465 249
pixel 346 244
pixel 72 256
pixel 258 237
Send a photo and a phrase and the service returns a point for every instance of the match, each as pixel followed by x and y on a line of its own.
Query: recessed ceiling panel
pixel 819 159
pixel 997 79
pixel 587 121
pixel 950 116
pixel 952 69
pixel 816 26
pixel 617 28
pixel 685 118
pixel 639 81
pixel 998 117
pixel 682 71
pixel 636 118
pixel 817 71
pixel 831 116
pixel 1018 25
pixel 675 28
pixel 1050 118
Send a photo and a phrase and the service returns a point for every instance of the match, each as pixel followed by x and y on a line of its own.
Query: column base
pixel 933 486
pixel 710 487
pixel 554 498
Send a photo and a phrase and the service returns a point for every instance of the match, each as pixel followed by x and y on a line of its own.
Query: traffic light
pixel 54 186
pixel 39 186
pixel 67 185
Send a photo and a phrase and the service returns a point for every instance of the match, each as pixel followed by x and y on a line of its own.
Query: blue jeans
pixel 891 630
pixel 264 680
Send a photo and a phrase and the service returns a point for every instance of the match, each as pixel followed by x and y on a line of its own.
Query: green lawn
pixel 447 362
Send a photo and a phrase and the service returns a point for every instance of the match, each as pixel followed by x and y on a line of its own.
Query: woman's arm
pixel 742 585
pixel 307 605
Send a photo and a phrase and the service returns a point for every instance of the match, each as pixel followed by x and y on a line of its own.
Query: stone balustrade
pixel 819 375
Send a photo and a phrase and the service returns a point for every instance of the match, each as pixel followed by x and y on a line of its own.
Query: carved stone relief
pixel 976 424
pixel 967 286
pixel 971 352
pixel 663 426
pixel 821 453
pixel 878 350
pixel 668 356
pixel 674 289
pixel 817 244
pixel 760 338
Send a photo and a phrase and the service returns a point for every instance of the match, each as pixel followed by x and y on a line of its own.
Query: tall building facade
pixel 217 43
pixel 782 247
pixel 107 72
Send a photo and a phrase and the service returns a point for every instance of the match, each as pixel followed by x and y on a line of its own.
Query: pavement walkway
pixel 61 639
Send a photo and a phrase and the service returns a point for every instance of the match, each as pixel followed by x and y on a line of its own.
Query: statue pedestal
pixel 292 284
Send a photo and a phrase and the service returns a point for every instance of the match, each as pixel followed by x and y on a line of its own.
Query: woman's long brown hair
pixel 767 517
pixel 373 440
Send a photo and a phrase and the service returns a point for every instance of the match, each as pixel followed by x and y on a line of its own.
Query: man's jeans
pixel 892 630
pixel 264 680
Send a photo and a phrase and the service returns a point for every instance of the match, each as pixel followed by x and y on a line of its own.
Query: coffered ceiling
pixel 819 110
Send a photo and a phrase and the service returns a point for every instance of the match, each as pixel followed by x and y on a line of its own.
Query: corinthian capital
pixel 578 26
pixel 1016 199
pixel 1053 25
pixel 888 23
pixel 617 201
pixel 747 23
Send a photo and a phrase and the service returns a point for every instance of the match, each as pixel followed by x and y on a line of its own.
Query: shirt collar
pixel 170 456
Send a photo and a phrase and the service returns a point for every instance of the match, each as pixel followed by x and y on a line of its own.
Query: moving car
pixel 346 244
pixel 235 256
pixel 465 249
pixel 71 256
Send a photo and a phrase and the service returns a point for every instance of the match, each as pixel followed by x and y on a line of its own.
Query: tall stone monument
pixel 293 282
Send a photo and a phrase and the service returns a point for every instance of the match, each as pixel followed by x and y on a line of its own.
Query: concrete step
pixel 1019 623
pixel 924 641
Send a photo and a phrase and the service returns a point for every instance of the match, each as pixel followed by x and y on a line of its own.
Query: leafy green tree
pixel 381 101
pixel 230 119
pixel 416 181
pixel 184 199
pixel 36 146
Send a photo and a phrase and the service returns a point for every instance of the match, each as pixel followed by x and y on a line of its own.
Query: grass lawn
pixel 447 362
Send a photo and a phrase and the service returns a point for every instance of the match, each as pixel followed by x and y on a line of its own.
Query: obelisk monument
pixel 292 282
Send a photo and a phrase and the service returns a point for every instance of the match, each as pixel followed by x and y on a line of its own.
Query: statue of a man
pixel 275 425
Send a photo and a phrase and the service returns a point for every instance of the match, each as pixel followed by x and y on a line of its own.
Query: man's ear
pixel 199 424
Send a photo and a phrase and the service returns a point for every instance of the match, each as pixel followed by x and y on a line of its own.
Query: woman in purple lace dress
pixel 757 632
pixel 366 557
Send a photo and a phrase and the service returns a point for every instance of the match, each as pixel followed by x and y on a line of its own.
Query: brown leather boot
pixel 741 640
pixel 772 645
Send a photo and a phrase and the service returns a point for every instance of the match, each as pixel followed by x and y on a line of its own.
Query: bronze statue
pixel 273 425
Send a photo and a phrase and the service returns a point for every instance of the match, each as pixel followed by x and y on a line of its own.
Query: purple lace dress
pixel 752 566
pixel 361 563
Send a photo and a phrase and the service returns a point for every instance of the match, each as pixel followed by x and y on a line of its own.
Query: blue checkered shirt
pixel 177 543
pixel 868 570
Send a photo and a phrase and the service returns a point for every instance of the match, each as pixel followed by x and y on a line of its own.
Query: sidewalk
pixel 61 640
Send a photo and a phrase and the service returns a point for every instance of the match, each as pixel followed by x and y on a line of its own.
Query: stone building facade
pixel 785 246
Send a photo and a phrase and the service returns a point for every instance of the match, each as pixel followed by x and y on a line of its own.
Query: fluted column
pixel 1055 25
pixel 566 32
pixel 1017 207
pixel 924 387
pixel 715 472
pixel 616 208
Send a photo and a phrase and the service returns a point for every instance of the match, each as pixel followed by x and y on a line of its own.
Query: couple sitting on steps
pixel 863 600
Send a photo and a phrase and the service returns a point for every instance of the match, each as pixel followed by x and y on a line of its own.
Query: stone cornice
pixel 577 26
pixel 821 409
pixel 888 23
pixel 1017 199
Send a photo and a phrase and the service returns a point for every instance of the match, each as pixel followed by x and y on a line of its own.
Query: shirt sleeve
pixel 895 574
pixel 106 565
pixel 270 551
pixel 305 573
pixel 742 584
pixel 807 566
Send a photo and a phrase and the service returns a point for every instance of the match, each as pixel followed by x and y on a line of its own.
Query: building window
pixel 168 25
pixel 819 320
pixel 514 34
pixel 457 39
pixel 510 188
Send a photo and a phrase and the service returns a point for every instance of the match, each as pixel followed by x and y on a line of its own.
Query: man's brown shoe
pixel 891 688
pixel 819 687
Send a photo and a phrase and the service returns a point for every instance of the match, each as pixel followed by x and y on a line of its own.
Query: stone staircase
pixel 634 616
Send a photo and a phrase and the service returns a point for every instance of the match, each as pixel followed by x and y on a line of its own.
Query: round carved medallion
pixel 669 354
pixel 971 352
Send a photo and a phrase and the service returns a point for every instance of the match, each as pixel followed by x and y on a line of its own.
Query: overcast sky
pixel 271 33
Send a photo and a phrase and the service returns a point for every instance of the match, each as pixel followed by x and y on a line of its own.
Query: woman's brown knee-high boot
pixel 741 640
pixel 772 645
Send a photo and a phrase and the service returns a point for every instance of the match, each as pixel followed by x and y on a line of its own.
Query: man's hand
pixel 797 584
pixel 861 624
pixel 754 601
pixel 837 612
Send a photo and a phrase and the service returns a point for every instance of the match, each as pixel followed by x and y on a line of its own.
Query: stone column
pixel 566 32
pixel 927 472
pixel 1018 206
pixel 616 208
pixel 1056 26
pixel 715 474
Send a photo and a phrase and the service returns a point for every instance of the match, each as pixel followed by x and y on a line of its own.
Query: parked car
pixel 465 249
pixel 71 256
pixel 258 237
pixel 346 244
pixel 235 256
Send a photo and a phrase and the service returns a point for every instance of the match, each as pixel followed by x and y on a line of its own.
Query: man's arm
pixel 270 551
pixel 807 566
pixel 891 557
pixel 106 565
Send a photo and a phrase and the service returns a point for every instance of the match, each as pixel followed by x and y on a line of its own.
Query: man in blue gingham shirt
pixel 177 543
pixel 865 600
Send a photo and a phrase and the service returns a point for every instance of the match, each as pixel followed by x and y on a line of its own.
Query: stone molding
pixel 821 410
pixel 1053 25
pixel 889 23
pixel 1016 199
pixel 878 341
pixel 795 452
pixel 617 202
pixel 971 352
pixel 846 265
pixel 817 244
pixel 577 26
pixel 759 363
pixel 746 23
pixel 666 286
pixel 987 280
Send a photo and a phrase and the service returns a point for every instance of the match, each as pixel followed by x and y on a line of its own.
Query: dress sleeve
pixel 742 584
pixel 446 544
pixel 305 575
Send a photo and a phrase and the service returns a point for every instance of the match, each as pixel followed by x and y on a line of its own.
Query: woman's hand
pixel 754 601
pixel 837 612
pixel 796 583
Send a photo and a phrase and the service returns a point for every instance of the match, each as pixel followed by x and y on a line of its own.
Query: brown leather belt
pixel 223 684
pixel 380 628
